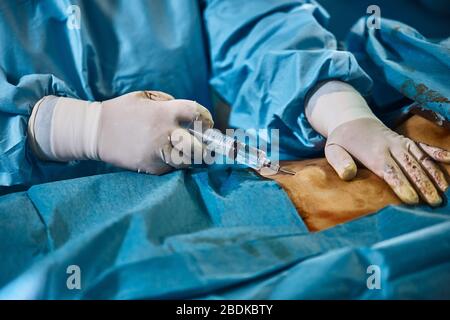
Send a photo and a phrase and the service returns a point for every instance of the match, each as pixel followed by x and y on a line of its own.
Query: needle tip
pixel 288 171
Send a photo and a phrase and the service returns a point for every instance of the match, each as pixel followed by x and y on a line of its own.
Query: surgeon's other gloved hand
pixel 133 131
pixel 338 112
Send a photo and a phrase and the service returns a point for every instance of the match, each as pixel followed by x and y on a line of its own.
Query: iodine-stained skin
pixel 324 200
pixel 424 157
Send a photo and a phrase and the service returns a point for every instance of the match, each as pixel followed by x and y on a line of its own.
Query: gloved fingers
pixel 436 153
pixel 187 144
pixel 429 165
pixel 150 95
pixel 341 161
pixel 158 166
pixel 157 95
pixel 173 158
pixel 398 182
pixel 417 177
pixel 188 111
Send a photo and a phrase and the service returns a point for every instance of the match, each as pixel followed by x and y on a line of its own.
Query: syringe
pixel 237 151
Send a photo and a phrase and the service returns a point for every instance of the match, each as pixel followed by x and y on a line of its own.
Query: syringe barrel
pixel 231 148
pixel 215 141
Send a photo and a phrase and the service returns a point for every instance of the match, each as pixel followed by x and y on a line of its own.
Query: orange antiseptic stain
pixel 423 94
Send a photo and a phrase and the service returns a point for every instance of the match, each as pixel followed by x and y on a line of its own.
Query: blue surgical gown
pixel 262 57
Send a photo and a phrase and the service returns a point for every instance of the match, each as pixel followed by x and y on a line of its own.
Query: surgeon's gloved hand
pixel 132 131
pixel 338 112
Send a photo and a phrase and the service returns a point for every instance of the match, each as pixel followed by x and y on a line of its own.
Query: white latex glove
pixel 132 131
pixel 338 112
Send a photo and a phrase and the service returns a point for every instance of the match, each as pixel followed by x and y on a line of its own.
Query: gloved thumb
pixel 341 161
pixel 190 148
pixel 188 111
